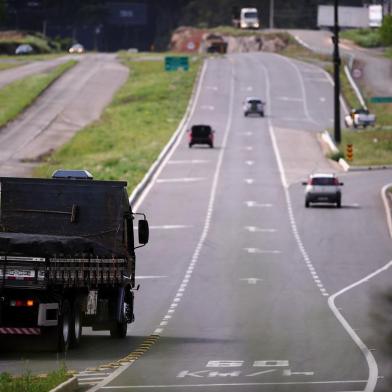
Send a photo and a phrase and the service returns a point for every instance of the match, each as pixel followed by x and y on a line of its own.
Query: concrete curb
pixel 388 211
pixel 331 144
pixel 139 189
pixel 70 385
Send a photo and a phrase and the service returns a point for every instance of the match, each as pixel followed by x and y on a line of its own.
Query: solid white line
pixel 183 125
pixel 386 206
pixel 373 369
pixel 239 384
pixel 372 364
pixel 150 277
pixel 208 217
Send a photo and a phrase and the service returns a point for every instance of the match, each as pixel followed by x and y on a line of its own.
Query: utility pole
pixel 271 15
pixel 336 68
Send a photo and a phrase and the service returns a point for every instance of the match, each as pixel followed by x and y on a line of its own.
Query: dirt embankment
pixel 193 40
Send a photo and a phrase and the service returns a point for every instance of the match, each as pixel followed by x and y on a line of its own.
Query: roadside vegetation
pixel 10 40
pixel 372 38
pixel 17 96
pixel 30 383
pixel 134 128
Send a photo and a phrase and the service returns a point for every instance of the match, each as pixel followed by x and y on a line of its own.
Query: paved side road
pixel 75 100
pixel 11 75
pixel 377 70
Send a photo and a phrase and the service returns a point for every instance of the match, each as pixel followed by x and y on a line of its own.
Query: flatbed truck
pixel 67 257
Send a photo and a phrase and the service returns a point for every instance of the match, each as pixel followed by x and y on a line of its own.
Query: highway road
pixel 375 69
pixel 73 101
pixel 242 288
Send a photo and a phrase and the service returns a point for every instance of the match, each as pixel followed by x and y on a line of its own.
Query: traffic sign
pixel 173 63
pixel 381 99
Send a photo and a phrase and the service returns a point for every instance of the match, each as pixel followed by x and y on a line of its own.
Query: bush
pixel 386 30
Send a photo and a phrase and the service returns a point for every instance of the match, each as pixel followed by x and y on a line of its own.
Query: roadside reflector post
pixel 349 152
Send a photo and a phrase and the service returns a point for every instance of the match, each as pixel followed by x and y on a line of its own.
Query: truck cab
pixel 249 18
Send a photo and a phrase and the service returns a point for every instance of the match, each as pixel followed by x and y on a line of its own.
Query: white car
pixel 77 48
pixel 323 188
pixel 24 49
pixel 253 105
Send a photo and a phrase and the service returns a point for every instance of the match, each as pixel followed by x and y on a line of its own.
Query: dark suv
pixel 201 134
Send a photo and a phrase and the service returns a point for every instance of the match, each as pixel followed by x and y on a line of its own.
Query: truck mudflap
pixel 20 331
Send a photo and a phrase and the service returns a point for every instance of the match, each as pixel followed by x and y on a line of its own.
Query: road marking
pixel 252 204
pixel 207 107
pixel 261 251
pixel 289 99
pixel 322 99
pixel 170 227
pixel 249 181
pixel 242 384
pixel 150 277
pixel 250 163
pixel 247 133
pixel 251 280
pixel 373 368
pixel 254 229
pixel 185 161
pixel 371 382
pixel 249 148
pixel 214 88
pixel 185 179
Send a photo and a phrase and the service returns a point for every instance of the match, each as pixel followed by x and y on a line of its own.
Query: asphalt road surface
pixel 374 69
pixel 242 288
pixel 20 72
pixel 73 101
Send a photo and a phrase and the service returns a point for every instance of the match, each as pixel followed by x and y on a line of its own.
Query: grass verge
pixel 17 96
pixel 134 128
pixel 372 146
pixel 29 383
pixel 367 38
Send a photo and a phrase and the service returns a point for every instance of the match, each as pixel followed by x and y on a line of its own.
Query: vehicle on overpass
pixel 246 18
pixel 323 188
pixel 67 257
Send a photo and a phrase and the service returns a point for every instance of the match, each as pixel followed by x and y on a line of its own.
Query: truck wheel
pixel 119 329
pixel 76 325
pixel 64 327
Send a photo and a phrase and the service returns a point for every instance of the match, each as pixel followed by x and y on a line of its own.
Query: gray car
pixel 323 188
pixel 253 105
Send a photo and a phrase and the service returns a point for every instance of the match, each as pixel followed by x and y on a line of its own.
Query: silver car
pixel 323 188
pixel 253 105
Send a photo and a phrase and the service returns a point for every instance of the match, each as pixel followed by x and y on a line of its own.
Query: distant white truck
pixel 246 18
pixel 350 17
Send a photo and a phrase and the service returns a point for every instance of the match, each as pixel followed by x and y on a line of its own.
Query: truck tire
pixel 119 329
pixel 64 327
pixel 76 325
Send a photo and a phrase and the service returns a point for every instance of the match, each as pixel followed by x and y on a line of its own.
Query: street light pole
pixel 336 62
pixel 271 15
